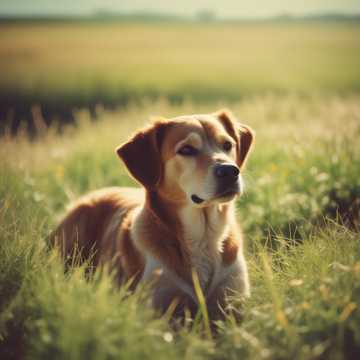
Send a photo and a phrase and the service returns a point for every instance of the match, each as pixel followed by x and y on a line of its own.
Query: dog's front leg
pixel 173 296
pixel 230 290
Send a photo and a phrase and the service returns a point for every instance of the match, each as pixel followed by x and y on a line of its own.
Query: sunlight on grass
pixel 299 213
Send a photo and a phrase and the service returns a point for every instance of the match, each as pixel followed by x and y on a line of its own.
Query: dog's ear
pixel 242 134
pixel 141 154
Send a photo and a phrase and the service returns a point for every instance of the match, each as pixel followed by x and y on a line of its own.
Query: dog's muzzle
pixel 228 184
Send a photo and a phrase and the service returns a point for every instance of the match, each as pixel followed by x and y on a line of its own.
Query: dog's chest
pixel 204 259
pixel 203 238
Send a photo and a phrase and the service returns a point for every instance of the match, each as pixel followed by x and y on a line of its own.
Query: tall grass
pixel 299 213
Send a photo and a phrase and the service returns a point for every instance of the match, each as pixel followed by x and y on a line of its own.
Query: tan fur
pixel 160 234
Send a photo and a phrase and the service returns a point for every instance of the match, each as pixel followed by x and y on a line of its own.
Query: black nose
pixel 226 171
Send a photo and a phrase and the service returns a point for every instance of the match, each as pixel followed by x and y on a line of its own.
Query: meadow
pixel 304 258
pixel 299 213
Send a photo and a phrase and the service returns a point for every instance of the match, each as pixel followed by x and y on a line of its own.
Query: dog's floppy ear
pixel 243 135
pixel 141 154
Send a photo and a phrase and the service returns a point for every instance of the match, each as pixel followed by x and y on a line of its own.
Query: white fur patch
pixel 202 233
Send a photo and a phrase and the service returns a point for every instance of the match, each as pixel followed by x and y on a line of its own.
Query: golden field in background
pixel 185 59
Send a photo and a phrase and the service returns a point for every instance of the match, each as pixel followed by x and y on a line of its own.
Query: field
pixel 299 213
pixel 114 64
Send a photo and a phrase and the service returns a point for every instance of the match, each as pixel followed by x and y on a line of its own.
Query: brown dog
pixel 183 220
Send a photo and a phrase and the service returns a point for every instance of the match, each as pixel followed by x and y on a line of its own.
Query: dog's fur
pixel 160 233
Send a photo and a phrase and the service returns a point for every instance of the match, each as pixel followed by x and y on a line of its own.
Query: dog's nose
pixel 226 171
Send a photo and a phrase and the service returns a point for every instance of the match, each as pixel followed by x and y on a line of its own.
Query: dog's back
pixel 91 229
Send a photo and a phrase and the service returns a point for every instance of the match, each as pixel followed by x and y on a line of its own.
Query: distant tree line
pixel 205 15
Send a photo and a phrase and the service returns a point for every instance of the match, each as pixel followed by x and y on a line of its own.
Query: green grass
pixel 117 63
pixel 304 261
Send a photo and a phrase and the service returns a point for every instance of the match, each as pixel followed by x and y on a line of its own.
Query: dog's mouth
pixel 196 199
pixel 225 195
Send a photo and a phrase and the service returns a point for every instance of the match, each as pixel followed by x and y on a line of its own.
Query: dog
pixel 183 220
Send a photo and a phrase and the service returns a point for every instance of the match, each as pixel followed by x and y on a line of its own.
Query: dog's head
pixel 195 159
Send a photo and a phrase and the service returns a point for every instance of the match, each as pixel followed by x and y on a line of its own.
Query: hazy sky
pixel 223 8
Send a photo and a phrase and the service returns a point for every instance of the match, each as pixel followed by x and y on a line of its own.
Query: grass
pixel 114 64
pixel 304 260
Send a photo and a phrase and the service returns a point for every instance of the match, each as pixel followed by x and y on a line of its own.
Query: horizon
pixel 187 8
pixel 205 13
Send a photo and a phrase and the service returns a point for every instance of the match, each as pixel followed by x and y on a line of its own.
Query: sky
pixel 222 8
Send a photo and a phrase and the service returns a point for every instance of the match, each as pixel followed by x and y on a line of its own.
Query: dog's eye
pixel 227 145
pixel 187 150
